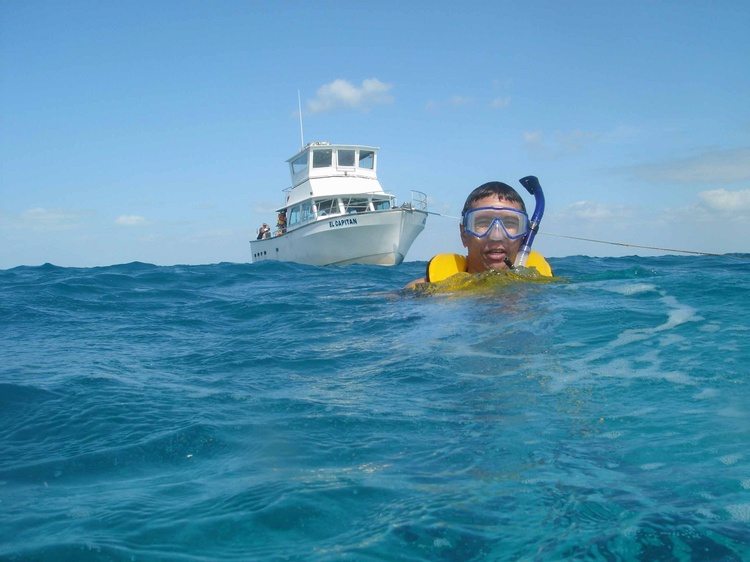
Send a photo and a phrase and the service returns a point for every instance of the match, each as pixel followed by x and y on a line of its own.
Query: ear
pixel 464 236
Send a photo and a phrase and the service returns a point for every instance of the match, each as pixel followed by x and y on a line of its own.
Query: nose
pixel 496 231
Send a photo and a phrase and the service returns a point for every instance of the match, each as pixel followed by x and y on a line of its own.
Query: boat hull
pixel 375 238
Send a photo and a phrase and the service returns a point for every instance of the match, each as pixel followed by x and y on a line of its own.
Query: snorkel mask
pixel 531 183
pixel 496 223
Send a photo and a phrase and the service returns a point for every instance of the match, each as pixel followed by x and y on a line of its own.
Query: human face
pixel 490 252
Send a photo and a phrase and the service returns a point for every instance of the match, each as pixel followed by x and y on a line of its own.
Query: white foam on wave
pixel 706 393
pixel 729 460
pixel 678 378
pixel 627 369
pixel 672 339
pixel 707 513
pixel 652 466
pixel 678 314
pixel 629 336
pixel 732 412
pixel 630 532
pixel 739 511
pixel 635 289
pixel 648 363
pixel 621 368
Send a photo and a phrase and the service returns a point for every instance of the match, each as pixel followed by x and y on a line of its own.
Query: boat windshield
pixel 328 207
pixel 346 158
pixel 355 205
pixel 323 158
pixel 300 163
pixel 367 159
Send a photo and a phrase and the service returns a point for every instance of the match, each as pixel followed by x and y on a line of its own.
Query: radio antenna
pixel 301 133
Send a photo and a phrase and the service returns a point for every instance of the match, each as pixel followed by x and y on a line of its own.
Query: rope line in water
pixel 695 252
pixel 631 245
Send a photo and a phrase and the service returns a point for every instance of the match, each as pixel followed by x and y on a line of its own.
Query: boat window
pixel 366 159
pixel 293 217
pixel 356 205
pixel 323 158
pixel 299 164
pixel 328 207
pixel 307 212
pixel 381 205
pixel 346 158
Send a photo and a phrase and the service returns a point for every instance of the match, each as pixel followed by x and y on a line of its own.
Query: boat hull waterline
pixel 375 238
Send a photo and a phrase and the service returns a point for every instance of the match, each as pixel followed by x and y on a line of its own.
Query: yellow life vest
pixel 443 266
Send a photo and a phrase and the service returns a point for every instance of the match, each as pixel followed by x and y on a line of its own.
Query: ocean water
pixel 286 412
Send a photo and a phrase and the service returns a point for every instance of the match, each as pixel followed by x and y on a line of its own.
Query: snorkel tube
pixel 531 183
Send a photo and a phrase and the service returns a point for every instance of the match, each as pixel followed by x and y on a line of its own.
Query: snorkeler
pixel 496 231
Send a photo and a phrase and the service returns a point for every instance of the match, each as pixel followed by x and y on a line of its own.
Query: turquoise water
pixel 286 412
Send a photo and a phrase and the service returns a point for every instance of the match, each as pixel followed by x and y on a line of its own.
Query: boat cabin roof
pixel 324 160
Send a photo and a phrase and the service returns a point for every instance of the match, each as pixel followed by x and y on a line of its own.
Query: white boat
pixel 336 212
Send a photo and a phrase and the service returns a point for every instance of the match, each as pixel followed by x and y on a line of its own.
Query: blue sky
pixel 158 131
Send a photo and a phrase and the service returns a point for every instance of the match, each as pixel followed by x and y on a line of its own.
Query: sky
pixel 159 131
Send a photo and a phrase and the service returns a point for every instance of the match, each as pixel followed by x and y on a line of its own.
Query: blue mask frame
pixel 497 220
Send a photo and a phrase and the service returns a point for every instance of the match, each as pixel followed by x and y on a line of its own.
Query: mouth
pixel 495 254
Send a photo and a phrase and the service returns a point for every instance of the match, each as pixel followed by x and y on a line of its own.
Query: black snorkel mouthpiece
pixel 531 183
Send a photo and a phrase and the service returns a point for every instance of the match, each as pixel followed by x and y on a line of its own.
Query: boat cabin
pixel 332 180
pixel 320 160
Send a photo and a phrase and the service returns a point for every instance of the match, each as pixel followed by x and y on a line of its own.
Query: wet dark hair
pixel 502 190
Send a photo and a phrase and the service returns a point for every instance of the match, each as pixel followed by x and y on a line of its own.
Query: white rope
pixel 631 245
pixel 607 242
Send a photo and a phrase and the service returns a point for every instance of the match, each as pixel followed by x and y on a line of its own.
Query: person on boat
pixel 494 224
pixel 263 231
pixel 281 222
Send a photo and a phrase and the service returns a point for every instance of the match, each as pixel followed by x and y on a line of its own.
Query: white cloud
pixel 342 94
pixel 722 200
pixel 709 166
pixel 533 138
pixel 627 229
pixel 594 211
pixel 461 100
pixel 717 206
pixel 560 143
pixel 507 83
pixel 501 102
pixel 49 220
pixel 577 140
pixel 130 220
pixel 455 101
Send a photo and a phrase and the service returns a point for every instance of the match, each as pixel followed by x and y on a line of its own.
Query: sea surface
pixel 285 412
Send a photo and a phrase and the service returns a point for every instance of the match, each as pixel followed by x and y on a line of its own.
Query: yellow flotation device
pixel 443 266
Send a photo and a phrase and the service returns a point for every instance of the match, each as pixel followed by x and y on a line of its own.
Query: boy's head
pixel 503 191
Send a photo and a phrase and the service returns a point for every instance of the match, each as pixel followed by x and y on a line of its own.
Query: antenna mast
pixel 301 133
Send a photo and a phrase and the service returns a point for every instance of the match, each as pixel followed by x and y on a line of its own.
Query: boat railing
pixel 418 201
